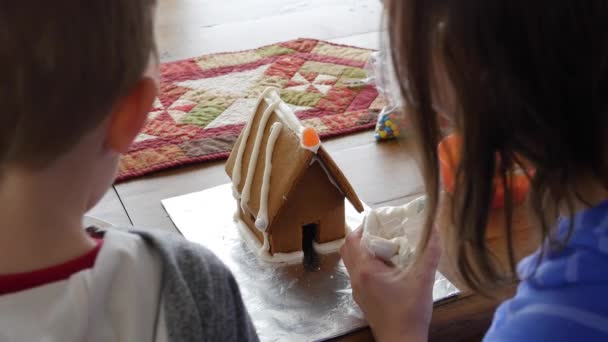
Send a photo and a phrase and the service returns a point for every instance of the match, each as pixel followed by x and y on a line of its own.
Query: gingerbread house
pixel 289 191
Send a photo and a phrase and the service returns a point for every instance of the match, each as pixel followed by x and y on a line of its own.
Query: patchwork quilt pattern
pixel 205 101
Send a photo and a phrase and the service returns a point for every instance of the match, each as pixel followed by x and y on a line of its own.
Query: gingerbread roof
pixel 289 160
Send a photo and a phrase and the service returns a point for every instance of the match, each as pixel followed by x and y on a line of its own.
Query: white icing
pixel 289 117
pixel 328 247
pixel 283 110
pixel 266 245
pixel 238 162
pixel 331 246
pixel 262 250
pixel 261 222
pixel 331 178
pixel 253 159
pixel 385 231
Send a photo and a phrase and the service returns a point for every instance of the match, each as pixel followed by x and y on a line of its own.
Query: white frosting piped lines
pixel 253 159
pixel 262 249
pixel 286 117
pixel 283 111
pixel 289 117
pixel 331 178
pixel 238 163
pixel 261 222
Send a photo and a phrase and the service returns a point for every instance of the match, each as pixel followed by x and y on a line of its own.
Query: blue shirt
pixel 566 297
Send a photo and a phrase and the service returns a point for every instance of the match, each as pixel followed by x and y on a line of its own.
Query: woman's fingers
pixel 397 303
pixel 357 258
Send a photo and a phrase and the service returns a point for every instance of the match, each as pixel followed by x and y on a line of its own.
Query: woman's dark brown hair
pixel 530 79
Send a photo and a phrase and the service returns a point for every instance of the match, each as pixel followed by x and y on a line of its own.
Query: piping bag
pixel 388 232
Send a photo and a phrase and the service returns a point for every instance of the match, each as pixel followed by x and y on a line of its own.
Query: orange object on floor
pixel 450 149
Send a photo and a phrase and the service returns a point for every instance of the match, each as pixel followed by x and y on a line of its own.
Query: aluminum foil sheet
pixel 286 302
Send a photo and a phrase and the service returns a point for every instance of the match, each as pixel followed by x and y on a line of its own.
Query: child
pixel 521 80
pixel 74 95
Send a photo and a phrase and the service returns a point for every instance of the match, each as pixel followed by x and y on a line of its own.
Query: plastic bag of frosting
pixel 390 233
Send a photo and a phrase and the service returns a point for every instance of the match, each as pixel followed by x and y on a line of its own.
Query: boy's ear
pixel 130 115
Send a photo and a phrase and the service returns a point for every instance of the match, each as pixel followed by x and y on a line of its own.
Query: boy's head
pixel 519 79
pixel 67 65
pixel 70 67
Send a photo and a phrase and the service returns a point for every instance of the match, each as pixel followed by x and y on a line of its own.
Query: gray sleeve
pixel 201 298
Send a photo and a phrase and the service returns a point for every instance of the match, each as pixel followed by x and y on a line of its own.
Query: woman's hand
pixel 397 303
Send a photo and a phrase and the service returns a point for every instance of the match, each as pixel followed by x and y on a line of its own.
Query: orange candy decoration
pixel 310 138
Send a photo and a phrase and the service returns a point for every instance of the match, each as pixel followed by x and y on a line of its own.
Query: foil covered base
pixel 286 302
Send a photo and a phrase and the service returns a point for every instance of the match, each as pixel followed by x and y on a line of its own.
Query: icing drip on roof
pixel 261 222
pixel 331 178
pixel 289 117
pixel 283 111
pixel 238 163
pixel 253 159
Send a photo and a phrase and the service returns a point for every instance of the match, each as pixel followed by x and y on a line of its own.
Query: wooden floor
pixel 382 174
pixel 187 28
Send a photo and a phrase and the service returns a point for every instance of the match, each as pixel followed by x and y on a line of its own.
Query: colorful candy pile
pixel 390 125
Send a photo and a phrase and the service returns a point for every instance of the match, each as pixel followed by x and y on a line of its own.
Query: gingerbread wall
pixel 250 222
pixel 314 200
pixel 289 161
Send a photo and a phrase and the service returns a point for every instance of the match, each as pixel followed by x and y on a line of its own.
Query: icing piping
pixel 331 246
pixel 290 118
pixel 261 222
pixel 329 175
pixel 328 247
pixel 253 159
pixel 262 250
pixel 266 245
pixel 238 163
pixel 284 112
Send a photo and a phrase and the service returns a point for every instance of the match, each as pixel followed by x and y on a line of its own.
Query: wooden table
pixel 381 173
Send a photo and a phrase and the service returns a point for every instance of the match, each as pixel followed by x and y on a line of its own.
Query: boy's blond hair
pixel 65 64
